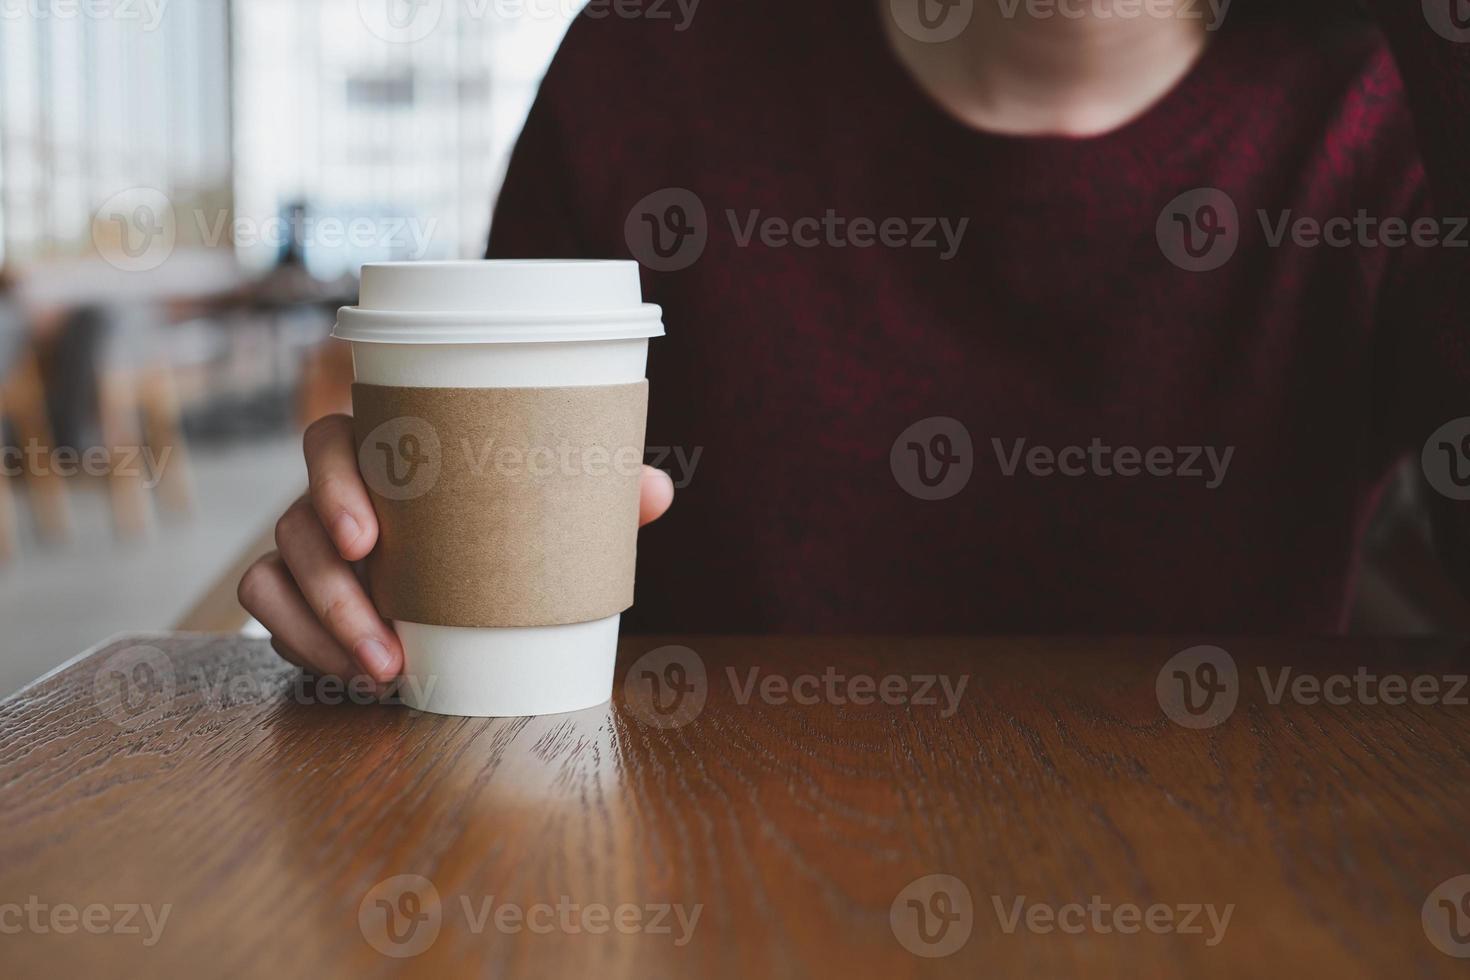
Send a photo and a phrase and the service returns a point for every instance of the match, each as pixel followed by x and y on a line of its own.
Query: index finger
pixel 338 494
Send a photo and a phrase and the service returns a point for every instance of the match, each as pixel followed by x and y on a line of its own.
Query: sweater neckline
pixel 1177 111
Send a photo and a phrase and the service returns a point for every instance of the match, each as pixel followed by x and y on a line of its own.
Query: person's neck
pixel 1030 76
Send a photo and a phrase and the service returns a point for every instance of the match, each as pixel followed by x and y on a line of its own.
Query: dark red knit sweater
pixel 1063 317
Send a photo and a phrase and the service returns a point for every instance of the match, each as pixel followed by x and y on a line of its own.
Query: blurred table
pixel 738 811
pixel 218 609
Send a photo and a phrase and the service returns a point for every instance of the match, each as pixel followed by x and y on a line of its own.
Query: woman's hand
pixel 307 592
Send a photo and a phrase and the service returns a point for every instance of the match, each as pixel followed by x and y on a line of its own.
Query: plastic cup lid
pixel 499 302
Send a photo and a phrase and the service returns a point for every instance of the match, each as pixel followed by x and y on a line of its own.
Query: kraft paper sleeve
pixel 502 506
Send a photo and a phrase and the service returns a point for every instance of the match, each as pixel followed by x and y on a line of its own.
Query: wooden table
pixel 803 836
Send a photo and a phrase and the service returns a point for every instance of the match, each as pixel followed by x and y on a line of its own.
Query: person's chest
pixel 1153 357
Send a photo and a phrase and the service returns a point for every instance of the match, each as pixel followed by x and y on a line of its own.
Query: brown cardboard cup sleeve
pixel 502 506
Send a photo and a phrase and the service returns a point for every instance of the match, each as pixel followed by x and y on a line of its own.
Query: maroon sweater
pixel 1062 316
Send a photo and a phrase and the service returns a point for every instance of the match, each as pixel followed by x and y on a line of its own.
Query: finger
pixel 336 597
pixel 270 595
pixel 337 491
pixel 656 495
pixel 289 655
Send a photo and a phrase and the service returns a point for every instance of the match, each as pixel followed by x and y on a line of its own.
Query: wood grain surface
pixel 779 830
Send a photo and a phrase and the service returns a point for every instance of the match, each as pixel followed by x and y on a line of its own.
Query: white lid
pixel 499 301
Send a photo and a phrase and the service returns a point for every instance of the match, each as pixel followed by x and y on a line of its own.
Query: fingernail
pixel 345 529
pixel 373 656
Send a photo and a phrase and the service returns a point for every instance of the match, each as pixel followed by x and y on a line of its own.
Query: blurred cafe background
pixel 187 190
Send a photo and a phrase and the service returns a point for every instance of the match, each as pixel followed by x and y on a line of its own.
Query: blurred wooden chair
pixel 23 407
pixel 139 408
pixel 326 382
pixel 120 393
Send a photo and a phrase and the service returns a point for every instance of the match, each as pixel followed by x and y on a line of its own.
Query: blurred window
pixel 355 130
pixel 382 126
pixel 97 99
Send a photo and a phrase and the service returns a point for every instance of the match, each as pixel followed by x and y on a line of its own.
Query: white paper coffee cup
pixel 502 324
